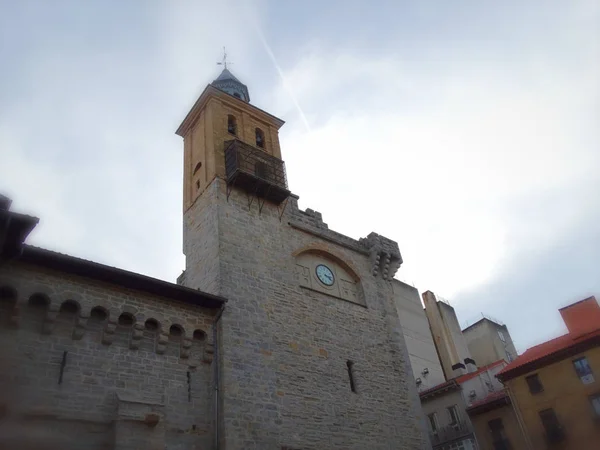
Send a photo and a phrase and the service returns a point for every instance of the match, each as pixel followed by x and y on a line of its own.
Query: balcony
pixel 451 433
pixel 255 171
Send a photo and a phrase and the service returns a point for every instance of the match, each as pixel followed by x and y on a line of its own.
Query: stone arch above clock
pixel 324 272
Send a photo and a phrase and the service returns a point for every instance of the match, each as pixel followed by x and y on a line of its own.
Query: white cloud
pixel 436 159
pixel 443 145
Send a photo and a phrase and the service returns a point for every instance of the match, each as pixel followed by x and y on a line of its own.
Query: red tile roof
pixel 471 375
pixel 492 401
pixel 442 387
pixel 583 322
pixel 490 398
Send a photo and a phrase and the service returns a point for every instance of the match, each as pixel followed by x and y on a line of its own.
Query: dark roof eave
pixel 440 389
pixel 113 275
pixel 14 229
pixel 488 406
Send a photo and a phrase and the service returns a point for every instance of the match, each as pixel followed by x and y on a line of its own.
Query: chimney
pixel 581 317
pixel 470 365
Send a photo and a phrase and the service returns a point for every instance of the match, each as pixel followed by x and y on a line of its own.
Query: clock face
pixel 325 275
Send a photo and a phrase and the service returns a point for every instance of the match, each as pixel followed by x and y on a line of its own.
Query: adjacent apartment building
pixel 446 407
pixel 555 387
pixel 450 343
pixel 489 340
pixel 495 423
pixel 471 409
pixel 424 360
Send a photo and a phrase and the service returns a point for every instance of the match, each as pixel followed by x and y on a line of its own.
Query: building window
pixel 499 439
pixel 584 371
pixel 595 401
pixel 433 423
pixel 501 336
pixel 231 125
pixel 260 138
pixel 453 413
pixel 237 95
pixel 554 431
pixel 197 168
pixel 534 383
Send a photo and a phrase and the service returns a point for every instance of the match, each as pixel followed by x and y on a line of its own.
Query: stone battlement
pixel 79 309
pixel 384 253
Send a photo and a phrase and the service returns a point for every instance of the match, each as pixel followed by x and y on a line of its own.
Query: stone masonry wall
pixel 127 382
pixel 201 243
pixel 285 382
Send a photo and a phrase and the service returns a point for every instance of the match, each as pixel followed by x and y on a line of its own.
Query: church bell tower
pixel 226 137
pixel 308 353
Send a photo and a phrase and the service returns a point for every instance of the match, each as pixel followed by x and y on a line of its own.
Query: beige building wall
pixel 513 435
pixel 439 406
pixel 565 393
pixel 489 342
pixel 479 387
pixel 424 360
pixel 447 335
pixel 436 407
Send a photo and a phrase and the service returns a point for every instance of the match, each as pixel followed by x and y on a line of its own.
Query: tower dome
pixel 230 84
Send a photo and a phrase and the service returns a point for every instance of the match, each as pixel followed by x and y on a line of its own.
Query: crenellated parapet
pixel 384 254
pixel 48 312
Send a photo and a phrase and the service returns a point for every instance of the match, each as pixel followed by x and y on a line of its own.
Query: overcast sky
pixel 467 131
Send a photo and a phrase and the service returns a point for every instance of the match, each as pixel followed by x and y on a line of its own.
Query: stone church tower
pixel 309 349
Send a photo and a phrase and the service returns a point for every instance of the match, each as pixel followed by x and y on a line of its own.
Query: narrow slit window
pixel 231 125
pixel 349 364
pixel 197 168
pixel 260 138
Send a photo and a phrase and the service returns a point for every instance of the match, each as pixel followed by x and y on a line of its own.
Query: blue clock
pixel 325 275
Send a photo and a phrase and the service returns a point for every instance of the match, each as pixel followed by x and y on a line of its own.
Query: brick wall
pixel 118 377
pixel 285 348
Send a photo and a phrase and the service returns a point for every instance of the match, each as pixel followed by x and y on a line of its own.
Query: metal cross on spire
pixel 224 62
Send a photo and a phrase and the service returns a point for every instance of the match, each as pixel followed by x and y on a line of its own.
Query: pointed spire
pixel 227 82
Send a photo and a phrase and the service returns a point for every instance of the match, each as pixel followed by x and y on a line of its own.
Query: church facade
pixel 279 334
